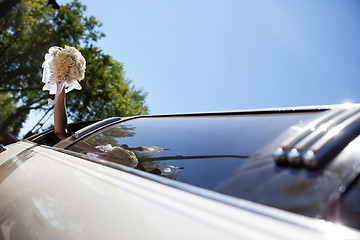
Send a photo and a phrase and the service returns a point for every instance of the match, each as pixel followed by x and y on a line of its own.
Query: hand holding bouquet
pixel 65 66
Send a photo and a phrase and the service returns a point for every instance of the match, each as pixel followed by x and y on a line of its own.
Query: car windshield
pixel 202 151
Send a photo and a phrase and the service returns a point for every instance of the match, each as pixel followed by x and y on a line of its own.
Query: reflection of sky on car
pixel 200 172
pixel 240 136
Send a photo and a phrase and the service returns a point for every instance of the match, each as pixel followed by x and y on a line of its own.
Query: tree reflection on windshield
pixel 109 137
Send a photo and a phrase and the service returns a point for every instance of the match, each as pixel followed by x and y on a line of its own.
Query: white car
pixel 288 173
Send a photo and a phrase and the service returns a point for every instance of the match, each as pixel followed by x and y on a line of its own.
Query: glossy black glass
pixel 202 151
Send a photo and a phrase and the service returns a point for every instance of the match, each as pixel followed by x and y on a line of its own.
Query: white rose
pixel 74 72
pixel 82 62
pixel 69 61
pixel 69 79
pixel 56 63
pixel 61 57
pixel 60 77
pixel 81 75
pixel 62 69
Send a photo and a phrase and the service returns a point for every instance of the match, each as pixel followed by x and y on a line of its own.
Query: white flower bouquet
pixel 65 66
pixel 115 154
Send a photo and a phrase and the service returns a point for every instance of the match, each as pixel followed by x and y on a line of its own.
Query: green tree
pixel 27 32
pixel 7 106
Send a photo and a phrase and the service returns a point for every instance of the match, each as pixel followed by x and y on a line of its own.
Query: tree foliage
pixel 27 32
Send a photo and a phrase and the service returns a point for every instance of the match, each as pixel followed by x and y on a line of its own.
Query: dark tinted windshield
pixel 202 151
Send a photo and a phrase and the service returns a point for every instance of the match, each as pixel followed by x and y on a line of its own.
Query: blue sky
pixel 198 55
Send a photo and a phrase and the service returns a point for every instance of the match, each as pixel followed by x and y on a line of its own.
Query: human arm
pixel 60 116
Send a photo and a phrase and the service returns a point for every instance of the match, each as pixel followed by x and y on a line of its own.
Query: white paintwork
pixel 53 195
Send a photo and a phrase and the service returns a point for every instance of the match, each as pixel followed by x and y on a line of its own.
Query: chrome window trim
pixel 97 125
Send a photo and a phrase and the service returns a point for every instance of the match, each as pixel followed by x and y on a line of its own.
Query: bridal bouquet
pixel 65 66
pixel 115 154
